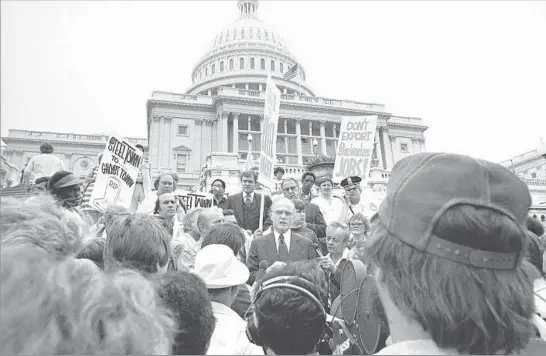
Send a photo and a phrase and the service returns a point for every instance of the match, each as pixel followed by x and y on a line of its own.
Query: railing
pixel 68 136
pixel 194 99
pixel 227 91
pixel 405 120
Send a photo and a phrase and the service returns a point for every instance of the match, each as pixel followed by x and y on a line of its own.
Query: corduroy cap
pixel 424 186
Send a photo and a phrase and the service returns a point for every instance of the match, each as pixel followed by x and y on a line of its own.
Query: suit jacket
pixel 265 249
pixel 313 218
pixel 235 203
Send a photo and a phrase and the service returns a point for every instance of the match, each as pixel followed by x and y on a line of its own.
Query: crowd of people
pixel 457 264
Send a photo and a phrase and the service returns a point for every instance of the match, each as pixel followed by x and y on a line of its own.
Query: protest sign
pixel 190 200
pixel 268 155
pixel 117 174
pixel 355 147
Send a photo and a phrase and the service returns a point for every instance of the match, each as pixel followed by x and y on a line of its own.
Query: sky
pixel 475 72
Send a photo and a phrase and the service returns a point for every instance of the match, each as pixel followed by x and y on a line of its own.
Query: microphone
pixel 262 268
pixel 317 248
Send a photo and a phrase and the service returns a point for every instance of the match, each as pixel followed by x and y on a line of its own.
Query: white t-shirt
pixel 44 165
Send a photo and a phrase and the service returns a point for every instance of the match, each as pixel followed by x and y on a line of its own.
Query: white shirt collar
pixel 287 238
pixel 345 255
pixel 251 196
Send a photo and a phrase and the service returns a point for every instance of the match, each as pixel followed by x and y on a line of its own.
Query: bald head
pixel 208 218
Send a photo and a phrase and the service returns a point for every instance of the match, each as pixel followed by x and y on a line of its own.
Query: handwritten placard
pixel 116 178
pixel 355 147
pixel 190 200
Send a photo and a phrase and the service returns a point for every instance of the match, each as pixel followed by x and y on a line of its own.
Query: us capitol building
pixel 211 124
pixel 204 133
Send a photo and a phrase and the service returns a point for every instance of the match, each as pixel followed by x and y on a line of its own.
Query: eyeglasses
pixel 281 213
pixel 290 189
pixel 356 225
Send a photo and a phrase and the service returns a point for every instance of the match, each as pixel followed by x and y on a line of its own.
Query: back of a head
pixel 71 308
pixel 114 211
pixel 534 226
pixel 453 302
pixel 535 251
pixel 186 296
pixel 40 221
pixel 136 242
pixel 94 251
pixel 46 147
pixel 189 221
pixel 288 321
pixel 228 234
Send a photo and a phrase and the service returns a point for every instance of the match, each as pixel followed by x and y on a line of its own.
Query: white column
pixel 286 137
pixel 167 152
pixel 394 149
pixel 223 137
pixel 323 136
pixel 298 141
pixel 422 144
pixel 416 145
pixel 160 140
pixel 388 149
pixel 377 147
pixel 235 132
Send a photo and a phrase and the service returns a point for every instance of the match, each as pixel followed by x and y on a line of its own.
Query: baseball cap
pixel 219 268
pixel 424 186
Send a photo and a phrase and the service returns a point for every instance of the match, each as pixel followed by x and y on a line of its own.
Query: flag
pixel 248 162
pixel 291 73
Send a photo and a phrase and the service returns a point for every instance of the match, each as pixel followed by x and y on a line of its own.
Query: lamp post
pixel 315 144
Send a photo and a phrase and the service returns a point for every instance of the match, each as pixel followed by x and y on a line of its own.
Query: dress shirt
pixel 148 204
pixel 251 196
pixel 184 249
pixel 333 209
pixel 229 336
pixel 346 254
pixel 287 237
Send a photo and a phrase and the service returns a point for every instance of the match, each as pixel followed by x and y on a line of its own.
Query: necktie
pixel 248 201
pixel 283 250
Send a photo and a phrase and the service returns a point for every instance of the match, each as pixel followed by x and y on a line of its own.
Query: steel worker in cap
pixel 447 250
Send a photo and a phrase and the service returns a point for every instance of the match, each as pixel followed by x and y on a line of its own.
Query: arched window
pixel 206 72
pixel 231 64
pixel 252 63
pixel 242 63
pixel 281 68
pixel 213 69
pixel 272 65
pixel 262 63
pixel 221 66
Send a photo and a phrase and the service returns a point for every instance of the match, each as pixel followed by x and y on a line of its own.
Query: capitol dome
pixel 243 54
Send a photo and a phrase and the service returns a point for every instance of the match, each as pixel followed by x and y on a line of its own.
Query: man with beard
pixel 281 245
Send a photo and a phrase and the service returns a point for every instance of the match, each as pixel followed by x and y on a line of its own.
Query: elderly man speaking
pixel 281 245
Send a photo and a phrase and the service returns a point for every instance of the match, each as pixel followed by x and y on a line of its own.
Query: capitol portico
pixel 225 104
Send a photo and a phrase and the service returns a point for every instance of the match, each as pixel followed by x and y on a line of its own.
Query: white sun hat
pixel 219 268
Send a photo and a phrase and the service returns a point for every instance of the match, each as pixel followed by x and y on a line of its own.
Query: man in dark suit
pixel 246 205
pixel 281 245
pixel 313 217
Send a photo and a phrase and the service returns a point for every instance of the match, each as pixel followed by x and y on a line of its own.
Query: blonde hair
pixel 40 221
pixel 71 308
